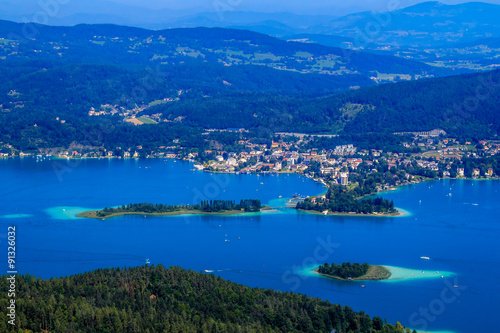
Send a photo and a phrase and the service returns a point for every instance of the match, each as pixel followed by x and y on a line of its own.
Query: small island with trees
pixel 216 207
pixel 339 200
pixel 348 271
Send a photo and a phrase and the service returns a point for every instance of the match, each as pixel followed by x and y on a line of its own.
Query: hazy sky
pixel 299 6
pixel 19 10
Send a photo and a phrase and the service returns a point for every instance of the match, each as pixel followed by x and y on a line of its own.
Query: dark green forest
pixel 208 206
pixel 339 200
pixel 465 106
pixel 156 299
pixel 344 270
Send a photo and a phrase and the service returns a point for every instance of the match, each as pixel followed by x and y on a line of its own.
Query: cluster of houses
pixel 128 114
pixel 337 162
pixel 281 157
pixel 439 155
pixel 110 110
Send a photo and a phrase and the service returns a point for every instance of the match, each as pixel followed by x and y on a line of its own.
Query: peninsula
pixel 213 207
pixel 349 272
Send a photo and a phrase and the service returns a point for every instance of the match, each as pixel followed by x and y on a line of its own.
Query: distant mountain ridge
pixel 119 45
pixel 424 24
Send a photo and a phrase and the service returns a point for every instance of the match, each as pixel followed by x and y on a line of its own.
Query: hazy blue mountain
pixel 273 28
pixel 425 24
pixel 89 12
pixel 422 25
pixel 487 42
pixel 275 24
pixel 112 44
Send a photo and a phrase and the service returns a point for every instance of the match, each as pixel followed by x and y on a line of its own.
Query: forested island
pixel 156 299
pixel 338 199
pixel 220 207
pixel 348 271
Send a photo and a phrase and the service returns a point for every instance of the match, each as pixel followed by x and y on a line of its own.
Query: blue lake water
pixel 454 222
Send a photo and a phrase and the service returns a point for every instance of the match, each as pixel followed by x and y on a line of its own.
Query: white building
pixel 328 171
pixel 344 178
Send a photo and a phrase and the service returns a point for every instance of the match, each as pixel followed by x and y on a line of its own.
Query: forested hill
pixel 125 46
pixel 464 105
pixel 155 299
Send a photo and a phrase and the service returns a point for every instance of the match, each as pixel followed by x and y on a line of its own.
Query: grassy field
pixel 352 110
pixel 157 102
pixel 146 120
pixel 323 63
pixel 189 52
pixel 134 121
pixel 431 153
pixel 391 77
pixel 159 56
pixel 302 54
pixel 266 56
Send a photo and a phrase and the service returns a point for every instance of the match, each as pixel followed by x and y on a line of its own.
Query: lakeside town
pixel 433 155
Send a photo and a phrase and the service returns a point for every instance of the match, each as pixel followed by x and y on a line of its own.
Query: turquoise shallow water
pixel 15 216
pixel 459 233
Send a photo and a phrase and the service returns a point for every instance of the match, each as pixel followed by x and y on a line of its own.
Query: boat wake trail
pixel 43 255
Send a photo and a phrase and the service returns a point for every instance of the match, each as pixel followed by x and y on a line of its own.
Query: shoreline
pixel 404 274
pixel 92 214
pixel 398 213
pixel 398 274
pixel 394 188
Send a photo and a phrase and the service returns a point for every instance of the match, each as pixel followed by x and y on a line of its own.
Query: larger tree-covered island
pixel 219 207
pixel 339 200
pixel 348 271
